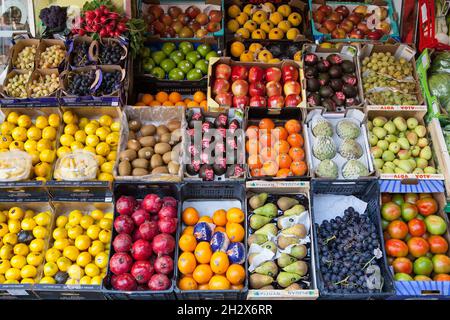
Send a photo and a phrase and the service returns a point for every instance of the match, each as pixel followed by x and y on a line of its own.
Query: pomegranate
pixel 169 202
pixel 159 282
pixel 120 263
pixel 140 216
pixel 122 242
pixel 163 243
pixel 125 282
pixel 152 203
pixel 114 281
pixel 148 230
pixel 136 235
pixel 142 271
pixel 124 224
pixel 141 250
pixel 163 264
pixel 167 225
pixel 125 205
pixel 167 212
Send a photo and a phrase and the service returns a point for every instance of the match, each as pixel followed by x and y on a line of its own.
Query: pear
pixel 269 287
pixel 400 123
pixel 258 281
pixel 284 260
pixel 257 221
pixel 412 138
pixel 270 245
pixel 258 200
pixel 389 127
pixel 379 121
pixel 299 251
pixel 297 209
pixel 285 203
pixel 405 165
pixel 268 210
pixel 298 230
pixel 268 268
pixel 404 143
pixel 425 153
pixel 298 267
pixel 285 279
pixel 268 229
pixel 256 238
pixel 251 257
pixel 284 241
pixel 286 220
pixel 294 286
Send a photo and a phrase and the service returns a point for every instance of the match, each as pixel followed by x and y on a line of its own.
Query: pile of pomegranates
pixel 144 244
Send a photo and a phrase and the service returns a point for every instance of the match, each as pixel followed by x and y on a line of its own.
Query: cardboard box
pixel 441 152
pixel 90 56
pixel 286 188
pixel 43 45
pixel 18 47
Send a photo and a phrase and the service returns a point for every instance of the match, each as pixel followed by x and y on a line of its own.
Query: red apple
pixel 257 101
pixel 194 25
pixel 239 73
pixel 356 34
pixel 289 73
pixel 184 19
pixel 353 17
pixel 347 25
pixel 329 25
pixel 360 10
pixel 318 16
pixel 239 88
pixel 224 99
pixel 213 26
pixel 338 33
pixel 201 33
pixel 202 18
pixel 156 10
pixel 166 19
pixel 215 16
pixel 291 87
pixel 374 35
pixel 292 100
pixel 342 10
pixel 255 74
pixel 275 102
pixel 192 11
pixel 223 71
pixel 240 102
pixel 221 86
pixel 273 88
pixel 157 27
pixel 363 27
pixel 336 17
pixel 273 74
pixel 325 9
pixel 256 89
pixel 323 30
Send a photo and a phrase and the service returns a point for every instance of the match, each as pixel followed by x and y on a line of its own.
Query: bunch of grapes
pixel 110 53
pixel 80 54
pixel 110 83
pixel 80 83
pixel 54 17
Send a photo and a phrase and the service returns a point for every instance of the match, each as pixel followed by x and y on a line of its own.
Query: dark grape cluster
pixel 54 17
pixel 80 54
pixel 346 249
pixel 80 83
pixel 110 53
pixel 110 83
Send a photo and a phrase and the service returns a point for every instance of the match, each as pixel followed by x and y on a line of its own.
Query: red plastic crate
pixel 427 27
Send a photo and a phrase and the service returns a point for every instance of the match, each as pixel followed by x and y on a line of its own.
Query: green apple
pixel 211 54
pixel 177 56
pixel 149 64
pixel 167 65
pixel 158 56
pixel 193 56
pixel 204 49
pixel 145 52
pixel 168 47
pixel 194 74
pixel 176 74
pixel 158 73
pixel 186 47
pixel 202 65
pixel 185 66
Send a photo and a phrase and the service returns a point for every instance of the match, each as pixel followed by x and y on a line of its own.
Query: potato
pixel 139 172
pixel 133 145
pixel 140 163
pixel 173 167
pixel 147 141
pixel 173 125
pixel 162 169
pixel 134 125
pixel 124 168
pixel 161 130
pixel 156 161
pixel 162 147
pixel 148 130
pixel 146 153
pixel 165 137
pixel 128 154
pixel 167 157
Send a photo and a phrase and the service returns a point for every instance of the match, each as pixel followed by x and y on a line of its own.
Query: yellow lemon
pixel 49 133
pixel 28 224
pixel 12 117
pixel 30 145
pixel 105 120
pixel 41 122
pixel 75 217
pixel 115 127
pixel 47 280
pixel 71 252
pixel 76 145
pixel 66 140
pixel 18 261
pixel 82 242
pixel 101 260
pixel 16 213
pixel 48 156
pixel 69 117
pixel 74 232
pixel 43 218
pixel 80 136
pixel 71 129
pixel 19 134
pixel 34 133
pixel 92 140
pixel 61 221
pixel 92 270
pixel 24 121
pixel 16 145
pixel 83 259
pixel 21 249
pixel 75 272
pixel 28 272
pixel 40 232
pixel 112 139
pixel 35 258
pixel 52 255
pixel 63 264
pixel 44 144
pixel 90 128
pixel 62 151
pixel 96 247
pixel 54 120
pixel 7 128
pixel 50 269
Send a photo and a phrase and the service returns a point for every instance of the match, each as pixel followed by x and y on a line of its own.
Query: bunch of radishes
pixel 144 245
pixel 102 21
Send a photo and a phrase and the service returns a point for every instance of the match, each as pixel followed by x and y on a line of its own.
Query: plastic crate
pixel 221 192
pixel 427 33
pixel 368 191
pixel 139 190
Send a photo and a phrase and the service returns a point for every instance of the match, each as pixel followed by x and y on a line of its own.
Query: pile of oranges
pixel 275 151
pixel 172 99
pixel 201 267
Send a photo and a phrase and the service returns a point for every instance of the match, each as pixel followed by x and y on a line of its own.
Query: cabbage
pixel 441 63
pixel 439 85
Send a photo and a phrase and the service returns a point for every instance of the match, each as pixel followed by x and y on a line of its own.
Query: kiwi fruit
pixel 128 154
pixel 146 153
pixel 162 147
pixel 139 172
pixel 167 157
pixel 148 141
pixel 140 163
pixel 173 167
pixel 161 130
pixel 134 125
pixel 173 125
pixel 156 161
pixel 148 130
pixel 124 168
pixel 133 145
pixel 165 137
pixel 162 169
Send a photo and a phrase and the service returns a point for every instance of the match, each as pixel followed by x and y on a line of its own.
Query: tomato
pixel 397 229
pixel 417 227
pixel 396 248
pixel 437 244
pixel 409 211
pixel 427 206
pixel 390 211
pixel 411 198
pixel 398 199
pixel 385 198
pixel 418 247
pixel 402 265
pixel 441 277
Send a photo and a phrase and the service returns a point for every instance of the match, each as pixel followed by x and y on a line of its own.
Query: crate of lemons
pixel 99 136
pixel 79 250
pixel 36 135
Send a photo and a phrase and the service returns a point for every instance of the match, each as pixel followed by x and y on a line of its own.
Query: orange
pixel 187 283
pixel 187 263
pixel 299 168
pixel 252 146
pixel 270 168
pixel 155 103
pixel 237 287
pixel 219 283
pixel 187 243
pixel 221 229
pixel 292 126
pixel 235 232
pixel 147 99
pixel 281 146
pixel 267 124
pixel 297 154
pixel 192 104
pixel 235 274
pixel 174 97
pixel 140 104
pixel 204 104
pixel 219 262
pixel 205 219
pixel 283 173
pixel 257 172
pixel 203 252
pixel 284 161
pixel 203 286
pixel 295 140
pixel 252 132
pixel 180 104
pixel 268 154
pixel 167 103
pixel 190 216
pixel 235 215
pixel 279 133
pixel 266 140
pixel 162 96
pixel 202 273
pixel 254 161
pixel 188 230
pixel 220 217
pixel 199 96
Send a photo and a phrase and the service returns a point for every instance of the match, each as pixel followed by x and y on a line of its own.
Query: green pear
pixel 379 121
pixel 284 241
pixel 405 165
pixel 412 138
pixel 268 268
pixel 285 221
pixel 268 210
pixel 294 286
pixel 257 239
pixel 379 132
pixel 391 138
pixel 257 221
pixel 429 170
pixel 425 153
pixel 389 127
pixel 251 257
pixel 258 281
pixel 298 230
pixel 298 267
pixel 270 246
pixel 378 163
pixel 297 209
pixel 400 123
pixel 269 287
pixel 258 200
pixel 418 171
pixel 404 143
pixel 285 203
pixel 284 260
pixel 285 279
pixel 268 229
pixel 299 251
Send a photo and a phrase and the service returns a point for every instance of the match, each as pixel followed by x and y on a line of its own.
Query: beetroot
pixel 125 282
pixel 163 243
pixel 141 250
pixel 167 212
pixel 148 230
pixel 159 282
pixel 152 203
pixel 140 216
pixel 125 205
pixel 169 202
pixel 163 264
pixel 168 225
pixel 122 242
pixel 120 263
pixel 142 271
pixel 124 224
